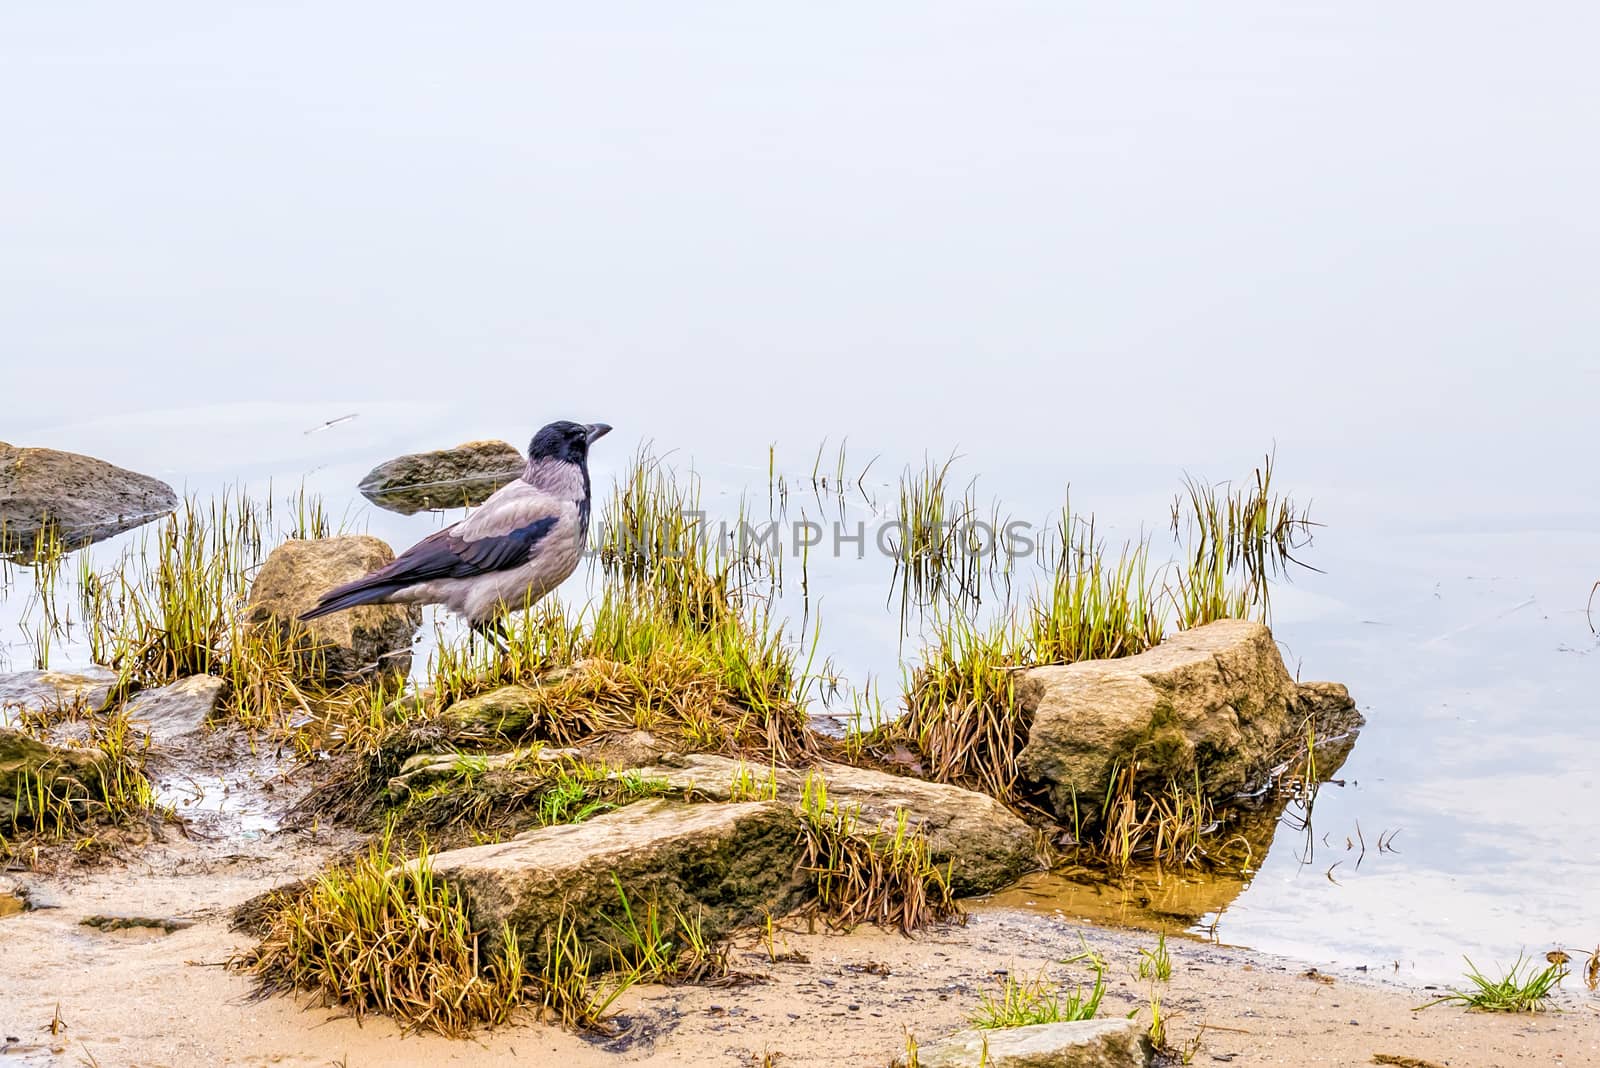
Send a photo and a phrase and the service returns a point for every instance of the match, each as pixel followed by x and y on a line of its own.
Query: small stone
pixel 1102 1043
pixel 445 478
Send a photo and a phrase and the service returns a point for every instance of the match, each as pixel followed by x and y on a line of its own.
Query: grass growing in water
pixel 1514 991
pixel 883 875
pixel 961 705
pixel 380 935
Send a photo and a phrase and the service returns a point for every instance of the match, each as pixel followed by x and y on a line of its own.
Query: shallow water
pixel 1087 248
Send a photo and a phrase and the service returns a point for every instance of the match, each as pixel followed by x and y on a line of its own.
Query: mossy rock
pixel 75 775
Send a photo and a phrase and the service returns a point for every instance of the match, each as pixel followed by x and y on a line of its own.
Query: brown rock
pixel 444 478
pixel 355 642
pixel 1215 700
pixel 83 499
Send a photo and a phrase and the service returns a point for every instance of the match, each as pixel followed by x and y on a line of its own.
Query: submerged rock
pixel 55 691
pixel 724 863
pixel 80 498
pixel 169 712
pixel 78 774
pixel 986 845
pixel 1104 1043
pixel 444 478
pixel 1215 700
pixel 355 642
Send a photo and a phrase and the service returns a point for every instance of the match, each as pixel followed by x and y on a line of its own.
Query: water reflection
pixel 435 496
pixel 1161 898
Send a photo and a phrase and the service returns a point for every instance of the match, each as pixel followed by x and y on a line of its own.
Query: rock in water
pixel 1104 1043
pixel 78 497
pixel 986 845
pixel 445 478
pixel 725 863
pixel 1215 700
pixel 355 642
pixel 76 774
pixel 169 712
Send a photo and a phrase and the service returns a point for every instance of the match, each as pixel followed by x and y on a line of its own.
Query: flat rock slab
pixel 1107 1043
pixel 726 863
pixel 986 845
pixel 55 691
pixel 358 641
pixel 170 712
pixel 444 478
pixel 80 498
pixel 1215 701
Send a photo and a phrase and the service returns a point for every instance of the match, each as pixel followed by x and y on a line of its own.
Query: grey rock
pixel 724 863
pixel 1104 1043
pixel 986 845
pixel 170 712
pixel 359 641
pixel 1214 701
pixel 444 478
pixel 81 498
pixel 55 691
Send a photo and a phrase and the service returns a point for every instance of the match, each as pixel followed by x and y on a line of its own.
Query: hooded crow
pixel 516 547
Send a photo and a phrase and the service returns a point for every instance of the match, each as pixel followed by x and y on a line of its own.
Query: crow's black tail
pixel 360 592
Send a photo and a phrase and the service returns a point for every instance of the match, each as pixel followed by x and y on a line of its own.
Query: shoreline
pixel 138 996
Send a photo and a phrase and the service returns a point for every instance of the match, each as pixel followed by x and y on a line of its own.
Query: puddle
pixel 234 802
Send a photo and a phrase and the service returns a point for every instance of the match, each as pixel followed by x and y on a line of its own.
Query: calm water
pixel 1076 246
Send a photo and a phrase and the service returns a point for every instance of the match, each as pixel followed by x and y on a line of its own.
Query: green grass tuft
pixel 1514 991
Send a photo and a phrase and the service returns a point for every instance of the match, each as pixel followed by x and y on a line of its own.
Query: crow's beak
pixel 597 431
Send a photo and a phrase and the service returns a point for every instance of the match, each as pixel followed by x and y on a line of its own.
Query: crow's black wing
pixel 448 555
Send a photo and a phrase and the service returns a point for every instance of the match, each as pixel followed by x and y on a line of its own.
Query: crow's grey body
pixel 516 547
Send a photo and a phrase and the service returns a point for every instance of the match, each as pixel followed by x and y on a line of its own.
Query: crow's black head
pixel 565 441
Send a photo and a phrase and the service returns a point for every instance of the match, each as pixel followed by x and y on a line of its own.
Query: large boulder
pixel 725 863
pixel 1214 701
pixel 81 498
pixel 55 691
pixel 1105 1043
pixel 175 710
pixel 444 478
pixel 73 775
pixel 354 642
pixel 985 844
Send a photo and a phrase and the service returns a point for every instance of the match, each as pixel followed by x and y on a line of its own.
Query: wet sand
pixel 140 997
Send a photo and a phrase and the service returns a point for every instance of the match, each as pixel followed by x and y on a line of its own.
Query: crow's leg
pixel 489 630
